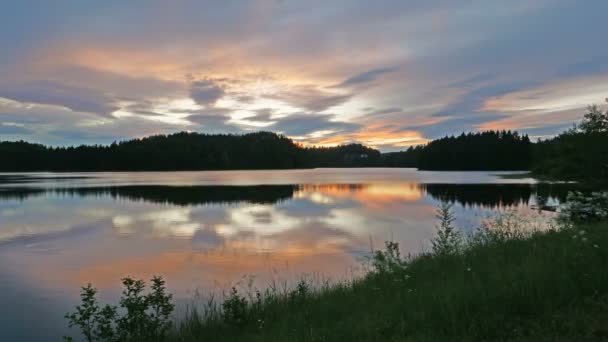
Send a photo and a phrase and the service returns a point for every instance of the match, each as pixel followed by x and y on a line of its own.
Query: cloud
pixel 310 98
pixel 57 125
pixel 120 86
pixel 79 99
pixel 206 92
pixel 366 77
pixel 212 123
pixel 383 136
pixel 383 111
pixel 552 96
pixel 307 123
pixel 12 129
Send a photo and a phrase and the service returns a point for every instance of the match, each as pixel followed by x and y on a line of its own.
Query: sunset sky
pixel 388 73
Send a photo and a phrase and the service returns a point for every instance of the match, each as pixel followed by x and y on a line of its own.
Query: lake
pixel 206 231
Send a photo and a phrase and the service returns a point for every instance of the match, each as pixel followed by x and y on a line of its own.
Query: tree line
pixel 184 151
pixel 580 153
pixel 490 150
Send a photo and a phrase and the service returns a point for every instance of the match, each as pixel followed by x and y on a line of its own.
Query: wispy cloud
pixel 366 77
pixel 310 98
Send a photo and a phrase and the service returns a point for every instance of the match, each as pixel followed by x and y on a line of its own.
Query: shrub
pixel 585 208
pixel 146 317
pixel 503 227
pixel 234 309
pixel 388 260
pixel 448 240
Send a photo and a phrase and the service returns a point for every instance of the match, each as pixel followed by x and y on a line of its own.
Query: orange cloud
pixel 375 136
pixel 551 97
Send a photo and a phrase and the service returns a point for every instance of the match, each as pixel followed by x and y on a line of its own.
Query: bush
pixel 146 316
pixel 448 240
pixel 585 208
pixel 388 260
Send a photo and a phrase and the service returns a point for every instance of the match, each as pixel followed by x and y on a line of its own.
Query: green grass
pixel 550 286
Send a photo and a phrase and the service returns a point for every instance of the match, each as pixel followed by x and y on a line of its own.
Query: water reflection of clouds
pixel 322 228
pixel 164 222
pixel 38 216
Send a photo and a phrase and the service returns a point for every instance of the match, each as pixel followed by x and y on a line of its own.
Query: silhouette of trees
pixel 491 150
pixel 580 153
pixel 407 158
pixel 185 151
pixel 594 121
pixel 174 195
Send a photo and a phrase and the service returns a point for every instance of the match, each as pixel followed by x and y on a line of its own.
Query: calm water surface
pixel 204 231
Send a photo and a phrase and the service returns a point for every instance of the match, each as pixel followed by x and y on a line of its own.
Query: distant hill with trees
pixel 490 150
pixel 185 151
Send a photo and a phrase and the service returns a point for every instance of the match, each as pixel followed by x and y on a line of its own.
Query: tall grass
pixel 503 283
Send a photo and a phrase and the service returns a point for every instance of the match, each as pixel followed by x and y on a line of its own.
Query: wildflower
pixel 596 246
pixel 468 269
pixel 584 239
pixel 582 232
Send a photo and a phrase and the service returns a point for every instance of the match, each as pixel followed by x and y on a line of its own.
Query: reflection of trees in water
pixel 6 179
pixel 497 195
pixel 176 195
pixel 486 195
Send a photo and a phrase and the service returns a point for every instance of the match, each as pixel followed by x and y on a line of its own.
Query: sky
pixel 385 73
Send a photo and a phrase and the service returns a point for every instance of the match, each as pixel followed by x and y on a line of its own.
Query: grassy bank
pixel 544 286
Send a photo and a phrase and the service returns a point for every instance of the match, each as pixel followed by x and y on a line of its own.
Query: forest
pixel 580 153
pixel 489 150
pixel 185 151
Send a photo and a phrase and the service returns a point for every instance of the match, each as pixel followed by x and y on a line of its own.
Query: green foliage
pixel 585 208
pixel 301 291
pixel 506 226
pixel 95 322
pixel 578 154
pixel 146 317
pixel 388 260
pixel 594 121
pixel 235 309
pixel 448 239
